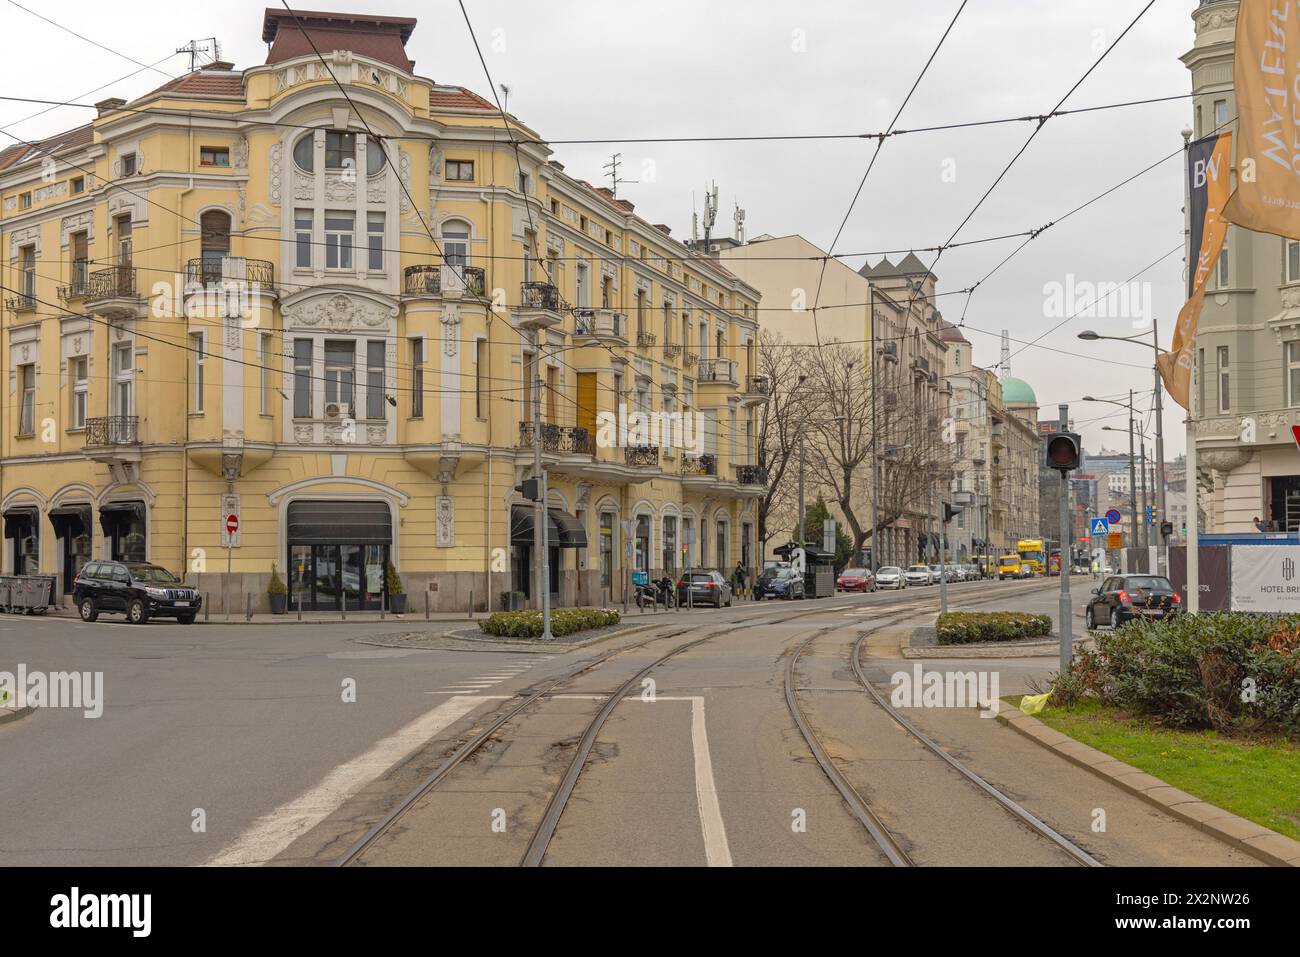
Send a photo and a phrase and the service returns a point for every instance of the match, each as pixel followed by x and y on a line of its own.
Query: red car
pixel 856 579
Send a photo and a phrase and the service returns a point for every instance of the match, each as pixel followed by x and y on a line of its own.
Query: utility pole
pixel 1132 472
pixel 801 503
pixel 1162 548
pixel 1066 612
pixel 875 459
pixel 539 513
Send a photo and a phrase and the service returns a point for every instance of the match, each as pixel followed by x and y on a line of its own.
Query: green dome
pixel 1017 392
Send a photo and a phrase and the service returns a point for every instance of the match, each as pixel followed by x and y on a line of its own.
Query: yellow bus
pixel 1033 554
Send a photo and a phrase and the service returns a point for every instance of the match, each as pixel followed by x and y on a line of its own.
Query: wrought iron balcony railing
pixel 115 282
pixel 568 439
pixel 113 430
pixel 75 289
pixel 717 370
pixel 751 475
pixel 584 322
pixel 758 385
pixel 641 456
pixel 473 279
pixel 422 280
pixel 540 295
pixel 700 465
pixel 230 269
pixel 21 303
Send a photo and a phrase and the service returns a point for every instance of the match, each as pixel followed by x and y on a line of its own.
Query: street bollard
pixel 426 606
pixel 207 607
pixel 248 606
pixel 471 606
pixel 343 603
pixel 383 607
pixel 300 603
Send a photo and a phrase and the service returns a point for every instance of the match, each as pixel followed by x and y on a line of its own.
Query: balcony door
pixel 215 229
pixel 123 401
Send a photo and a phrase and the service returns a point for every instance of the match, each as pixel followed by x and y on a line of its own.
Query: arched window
pixel 455 243
pixel 340 152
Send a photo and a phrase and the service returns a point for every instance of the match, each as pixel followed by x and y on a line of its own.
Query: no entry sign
pixel 232 524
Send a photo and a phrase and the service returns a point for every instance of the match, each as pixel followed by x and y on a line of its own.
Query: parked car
pixel 1122 598
pixel 703 588
pixel 920 575
pixel 763 586
pixel 856 579
pixel 136 589
pixel 890 576
pixel 787 584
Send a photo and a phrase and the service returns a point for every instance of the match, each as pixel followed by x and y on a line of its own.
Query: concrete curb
pixel 1256 840
pixel 13 714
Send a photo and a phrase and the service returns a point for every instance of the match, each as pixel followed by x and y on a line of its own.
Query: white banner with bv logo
pixel 1266 578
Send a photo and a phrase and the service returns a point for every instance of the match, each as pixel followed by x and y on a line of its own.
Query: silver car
pixel 920 575
pixel 890 576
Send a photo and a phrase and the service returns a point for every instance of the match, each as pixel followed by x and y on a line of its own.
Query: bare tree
pixel 779 426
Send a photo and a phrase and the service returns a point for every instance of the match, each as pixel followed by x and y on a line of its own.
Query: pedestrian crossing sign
pixel 1098 526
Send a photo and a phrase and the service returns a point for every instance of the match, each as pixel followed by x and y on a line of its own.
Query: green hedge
pixel 1232 672
pixel 963 627
pixel 564 621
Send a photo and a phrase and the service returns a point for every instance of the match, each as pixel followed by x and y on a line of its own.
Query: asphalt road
pixel 252 733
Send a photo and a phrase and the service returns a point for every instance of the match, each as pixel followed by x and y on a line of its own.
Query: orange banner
pixel 1209 174
pixel 1266 80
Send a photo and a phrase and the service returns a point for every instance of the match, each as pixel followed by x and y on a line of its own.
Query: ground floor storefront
pixel 344 530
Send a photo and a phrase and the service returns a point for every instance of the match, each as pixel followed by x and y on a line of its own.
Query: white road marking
pixel 271 833
pixel 716 851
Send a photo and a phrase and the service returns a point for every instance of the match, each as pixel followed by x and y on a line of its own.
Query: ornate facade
pixel 248 294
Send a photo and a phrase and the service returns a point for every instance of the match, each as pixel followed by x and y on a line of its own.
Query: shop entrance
pixel 338 552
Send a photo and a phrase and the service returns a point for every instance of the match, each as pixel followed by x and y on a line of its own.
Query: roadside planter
pixel 396 596
pixel 277 593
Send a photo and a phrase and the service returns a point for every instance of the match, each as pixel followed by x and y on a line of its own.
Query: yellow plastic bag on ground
pixel 1034 703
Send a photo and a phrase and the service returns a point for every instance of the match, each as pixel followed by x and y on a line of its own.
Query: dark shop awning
pixel 340 523
pixel 563 530
pixel 71 521
pixel 19 519
pixel 115 513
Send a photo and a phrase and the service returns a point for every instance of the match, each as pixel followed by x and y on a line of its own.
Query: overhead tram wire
pixel 536 141
pixel 1032 136
pixel 880 142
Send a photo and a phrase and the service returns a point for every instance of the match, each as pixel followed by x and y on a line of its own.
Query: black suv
pixel 139 590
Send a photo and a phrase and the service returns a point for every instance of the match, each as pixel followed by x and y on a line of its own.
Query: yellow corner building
pixel 248 294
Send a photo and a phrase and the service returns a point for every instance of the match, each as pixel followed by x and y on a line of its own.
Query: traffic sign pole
pixel 232 526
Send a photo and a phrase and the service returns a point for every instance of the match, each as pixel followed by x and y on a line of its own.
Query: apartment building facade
pixel 227 297
pixel 1248 343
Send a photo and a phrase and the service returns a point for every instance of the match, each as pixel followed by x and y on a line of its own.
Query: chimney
pixel 221 65
pixel 112 104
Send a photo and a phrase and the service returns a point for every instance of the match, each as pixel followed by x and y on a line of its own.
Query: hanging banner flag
pixel 1208 174
pixel 1266 79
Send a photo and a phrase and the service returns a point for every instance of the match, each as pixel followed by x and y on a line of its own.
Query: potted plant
pixel 393 582
pixel 277 592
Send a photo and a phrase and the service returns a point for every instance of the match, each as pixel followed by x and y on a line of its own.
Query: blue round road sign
pixel 1113 516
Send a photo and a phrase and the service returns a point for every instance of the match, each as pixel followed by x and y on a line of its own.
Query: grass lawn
pixel 1256 778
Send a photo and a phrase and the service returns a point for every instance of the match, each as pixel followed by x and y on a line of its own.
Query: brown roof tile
pixel 70 139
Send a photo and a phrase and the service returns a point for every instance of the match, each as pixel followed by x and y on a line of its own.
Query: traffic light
pixel 529 489
pixel 949 512
pixel 1166 529
pixel 1063 451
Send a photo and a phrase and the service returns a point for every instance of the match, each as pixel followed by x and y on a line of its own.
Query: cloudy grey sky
pixel 585 69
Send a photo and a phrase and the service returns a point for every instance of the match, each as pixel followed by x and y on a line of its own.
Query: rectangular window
pixel 302 222
pixel 302 378
pixel 460 171
pixel 27 415
pixel 264 373
pixel 375 395
pixel 25 200
pixel 78 184
pixel 123 380
pixel 340 150
pixel 340 374
pixel 1293 373
pixel 1221 279
pixel 480 378
pixel 1292 261
pixel 196 369
pixel 78 376
pixel 375 240
pixel 80 259
pixel 1220 113
pixel 1223 379
pixel 214 156
pixel 27 258
pixel 606 548
pixel 417 378
pixel 339 238
pixel 128 164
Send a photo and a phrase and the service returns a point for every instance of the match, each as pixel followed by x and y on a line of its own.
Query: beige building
pixel 1248 344
pixel 228 298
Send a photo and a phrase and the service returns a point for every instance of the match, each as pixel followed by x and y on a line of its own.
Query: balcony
pixel 75 289
pixel 560 439
pixel 690 358
pixel 672 350
pixel 645 340
pixel 21 303
pixel 225 270
pixel 751 475
pixel 600 324
pixel 758 389
pixel 115 441
pixel 112 293
pixel 717 370
pixel 641 456
pixel 540 306
pixel 699 466
pixel 431 280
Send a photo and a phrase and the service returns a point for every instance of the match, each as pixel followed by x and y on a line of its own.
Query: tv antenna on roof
pixel 611 168
pixel 505 96
pixel 198 48
pixel 739 218
pixel 1004 367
